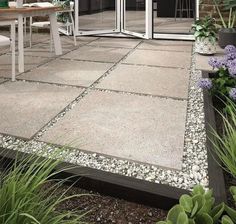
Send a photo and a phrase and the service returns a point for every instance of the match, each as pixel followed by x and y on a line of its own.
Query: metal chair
pixel 70 26
pixel 6 41
pixel 182 6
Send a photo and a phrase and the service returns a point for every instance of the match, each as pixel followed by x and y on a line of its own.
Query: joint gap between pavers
pixel 139 94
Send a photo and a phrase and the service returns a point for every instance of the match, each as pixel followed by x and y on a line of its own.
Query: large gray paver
pixel 26 107
pixel 30 63
pixel 150 80
pixel 97 54
pixel 116 42
pixel 69 72
pixel 167 45
pixel 133 127
pixel 160 58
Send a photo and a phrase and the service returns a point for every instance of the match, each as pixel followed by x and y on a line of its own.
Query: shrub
pixel 24 202
pixel 223 81
pixel 198 208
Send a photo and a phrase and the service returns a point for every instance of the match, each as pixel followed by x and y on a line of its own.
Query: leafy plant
pixel 225 145
pixel 205 28
pixel 230 7
pixel 198 208
pixel 224 79
pixel 25 201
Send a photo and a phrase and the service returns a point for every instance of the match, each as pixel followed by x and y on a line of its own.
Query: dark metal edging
pixel 215 172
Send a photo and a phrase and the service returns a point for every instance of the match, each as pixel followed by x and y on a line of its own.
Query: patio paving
pixel 167 45
pixel 160 58
pixel 68 72
pixel 26 107
pixel 115 42
pixel 108 118
pixel 148 80
pixel 91 53
pixel 30 63
pixel 126 126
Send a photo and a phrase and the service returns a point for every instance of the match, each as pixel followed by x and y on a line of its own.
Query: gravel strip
pixel 194 168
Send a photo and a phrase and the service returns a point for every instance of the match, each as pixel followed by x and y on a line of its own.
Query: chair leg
pixel 51 41
pixel 30 32
pixel 73 28
pixel 176 8
pixel 13 50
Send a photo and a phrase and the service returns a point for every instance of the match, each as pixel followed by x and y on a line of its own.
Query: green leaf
pixel 233 190
pixel 231 212
pixel 204 219
pixel 217 212
pixel 174 213
pixel 186 202
pixel 191 221
pixel 226 220
pixel 182 218
pixel 198 189
pixel 194 211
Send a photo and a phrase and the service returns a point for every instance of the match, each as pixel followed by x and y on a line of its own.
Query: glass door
pixel 131 17
pixel 96 17
pixel 136 18
pixel 172 19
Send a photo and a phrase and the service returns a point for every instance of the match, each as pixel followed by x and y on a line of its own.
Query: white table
pixel 20 13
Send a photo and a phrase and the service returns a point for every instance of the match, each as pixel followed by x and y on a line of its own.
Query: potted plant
pixel 205 33
pixel 227 34
pixel 4 4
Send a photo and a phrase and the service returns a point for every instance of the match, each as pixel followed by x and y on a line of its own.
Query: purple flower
pixel 230 49
pixel 205 84
pixel 232 94
pixel 232 71
pixel 215 62
pixel 231 56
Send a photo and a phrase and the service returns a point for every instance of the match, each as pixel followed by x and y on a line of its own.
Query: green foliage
pixel 230 7
pixel 198 208
pixel 205 28
pixel 222 82
pixel 25 199
pixel 225 145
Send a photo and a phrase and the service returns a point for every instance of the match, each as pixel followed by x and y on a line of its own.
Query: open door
pixel 136 18
pixel 131 17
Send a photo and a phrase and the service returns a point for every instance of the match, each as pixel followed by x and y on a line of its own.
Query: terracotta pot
pixel 227 37
pixel 205 46
pixel 4 4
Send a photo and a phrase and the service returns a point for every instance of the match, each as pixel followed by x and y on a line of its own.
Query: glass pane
pixel 97 15
pixel 135 15
pixel 173 16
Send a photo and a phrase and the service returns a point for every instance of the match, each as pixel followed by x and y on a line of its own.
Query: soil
pixel 106 209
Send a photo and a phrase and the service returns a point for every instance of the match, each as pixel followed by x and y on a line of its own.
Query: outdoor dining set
pixel 16 15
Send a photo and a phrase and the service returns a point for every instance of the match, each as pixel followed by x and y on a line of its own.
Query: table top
pixel 26 10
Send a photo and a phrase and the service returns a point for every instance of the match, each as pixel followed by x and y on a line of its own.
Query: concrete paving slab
pixel 26 107
pixel 150 80
pixel 167 45
pixel 2 80
pixel 116 42
pixel 160 58
pixel 139 128
pixel 80 73
pixel 30 63
pixel 97 54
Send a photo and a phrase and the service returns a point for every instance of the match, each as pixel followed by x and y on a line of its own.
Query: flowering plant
pixel 223 81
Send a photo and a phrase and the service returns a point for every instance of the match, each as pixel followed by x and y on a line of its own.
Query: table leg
pixel 13 37
pixel 20 44
pixel 55 34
